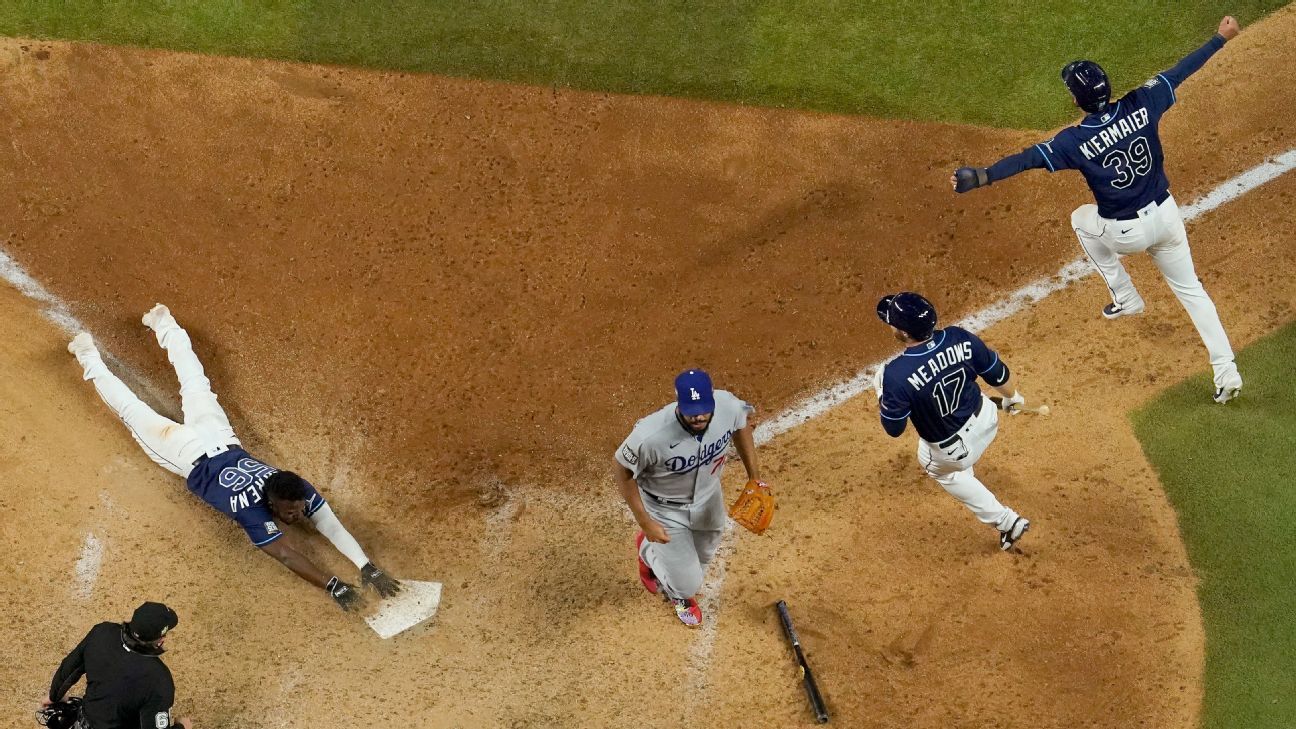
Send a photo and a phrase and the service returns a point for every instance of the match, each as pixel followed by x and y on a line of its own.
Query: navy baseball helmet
pixel 911 313
pixel 1088 83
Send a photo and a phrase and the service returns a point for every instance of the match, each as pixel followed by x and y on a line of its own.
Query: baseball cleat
pixel 155 316
pixel 1230 390
pixel 688 611
pixel 82 344
pixel 646 575
pixel 1115 311
pixel 1008 538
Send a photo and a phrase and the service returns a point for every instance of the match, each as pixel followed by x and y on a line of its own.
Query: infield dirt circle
pixel 446 301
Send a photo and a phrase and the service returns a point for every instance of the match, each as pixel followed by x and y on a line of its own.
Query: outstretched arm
pixel 327 523
pixel 1191 63
pixel 1034 156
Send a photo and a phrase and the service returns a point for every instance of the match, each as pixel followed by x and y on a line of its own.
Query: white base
pixel 416 602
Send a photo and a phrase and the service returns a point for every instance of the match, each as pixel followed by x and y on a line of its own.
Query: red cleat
pixel 688 611
pixel 646 575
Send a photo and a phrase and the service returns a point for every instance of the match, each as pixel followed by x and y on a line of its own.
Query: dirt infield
pixel 446 301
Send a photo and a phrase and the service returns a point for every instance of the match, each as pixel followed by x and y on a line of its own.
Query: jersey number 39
pixel 1135 162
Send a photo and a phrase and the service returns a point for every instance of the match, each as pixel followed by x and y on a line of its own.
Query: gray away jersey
pixel 670 462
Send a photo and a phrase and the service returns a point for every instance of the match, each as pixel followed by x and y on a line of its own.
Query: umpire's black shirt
pixel 125 689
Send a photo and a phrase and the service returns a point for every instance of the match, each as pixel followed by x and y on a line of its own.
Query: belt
pixel 666 502
pixel 1160 199
pixel 954 438
pixel 205 456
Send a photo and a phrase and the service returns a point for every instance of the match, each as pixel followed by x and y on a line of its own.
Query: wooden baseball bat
pixel 807 678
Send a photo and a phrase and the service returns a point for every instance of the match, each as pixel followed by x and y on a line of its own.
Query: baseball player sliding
pixel 1117 148
pixel 204 451
pixel 933 383
pixel 669 473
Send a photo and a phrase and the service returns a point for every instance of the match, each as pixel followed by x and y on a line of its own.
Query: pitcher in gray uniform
pixel 669 473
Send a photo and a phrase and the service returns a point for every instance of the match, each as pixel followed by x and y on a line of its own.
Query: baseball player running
pixel 669 473
pixel 1118 150
pixel 204 451
pixel 933 383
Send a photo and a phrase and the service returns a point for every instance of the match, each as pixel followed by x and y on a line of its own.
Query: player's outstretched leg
pixel 199 403
pixel 1089 231
pixel 677 571
pixel 1174 258
pixel 164 440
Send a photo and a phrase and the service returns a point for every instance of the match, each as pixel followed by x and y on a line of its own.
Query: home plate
pixel 416 602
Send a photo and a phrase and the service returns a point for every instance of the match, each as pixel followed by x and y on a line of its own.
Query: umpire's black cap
pixel 152 620
pixel 911 313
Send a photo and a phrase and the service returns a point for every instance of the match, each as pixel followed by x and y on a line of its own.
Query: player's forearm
pixel 327 523
pixel 1008 387
pixel 746 446
pixel 1027 159
pixel 295 561
pixel 630 492
pixel 1193 62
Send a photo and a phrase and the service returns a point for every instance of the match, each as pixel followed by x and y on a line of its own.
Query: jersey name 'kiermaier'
pixel 671 463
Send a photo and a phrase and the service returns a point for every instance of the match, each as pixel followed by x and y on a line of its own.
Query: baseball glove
pixel 754 509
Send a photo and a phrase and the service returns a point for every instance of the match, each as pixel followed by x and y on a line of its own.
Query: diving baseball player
pixel 934 384
pixel 1118 150
pixel 669 473
pixel 204 451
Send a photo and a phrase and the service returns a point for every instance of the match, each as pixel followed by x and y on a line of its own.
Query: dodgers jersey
pixel 669 461
pixel 1118 150
pixel 233 482
pixel 934 384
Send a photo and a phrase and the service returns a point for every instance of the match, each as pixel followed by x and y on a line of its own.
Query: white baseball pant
pixel 694 530
pixel 950 464
pixel 1158 231
pixel 174 446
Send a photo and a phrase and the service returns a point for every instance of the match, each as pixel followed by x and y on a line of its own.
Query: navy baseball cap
pixel 694 393
pixel 152 620
pixel 911 313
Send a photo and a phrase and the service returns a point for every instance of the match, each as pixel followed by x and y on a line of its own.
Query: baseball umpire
pixel 1117 147
pixel 933 383
pixel 204 451
pixel 127 685
pixel 669 473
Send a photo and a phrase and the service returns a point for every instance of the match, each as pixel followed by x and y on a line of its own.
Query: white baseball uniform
pixel 678 474
pixel 1158 231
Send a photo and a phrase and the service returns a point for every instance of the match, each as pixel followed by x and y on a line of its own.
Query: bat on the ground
pixel 1037 410
pixel 807 678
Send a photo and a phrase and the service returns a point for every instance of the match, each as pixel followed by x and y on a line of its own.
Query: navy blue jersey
pixel 934 383
pixel 1118 150
pixel 232 483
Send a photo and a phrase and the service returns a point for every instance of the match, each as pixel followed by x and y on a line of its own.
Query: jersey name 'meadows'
pixel 680 464
pixel 962 352
pixel 1105 138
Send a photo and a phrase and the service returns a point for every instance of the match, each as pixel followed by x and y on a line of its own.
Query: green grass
pixel 988 61
pixel 1230 472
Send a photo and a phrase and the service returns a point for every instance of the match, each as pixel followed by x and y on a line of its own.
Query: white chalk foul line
pixel 835 395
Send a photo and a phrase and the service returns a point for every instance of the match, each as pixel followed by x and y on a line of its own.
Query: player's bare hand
pixel 385 584
pixel 954 183
pixel 1229 27
pixel 46 703
pixel 655 532
pixel 186 722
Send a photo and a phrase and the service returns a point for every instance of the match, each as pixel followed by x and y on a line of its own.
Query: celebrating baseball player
pixel 933 383
pixel 669 473
pixel 1117 148
pixel 204 451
